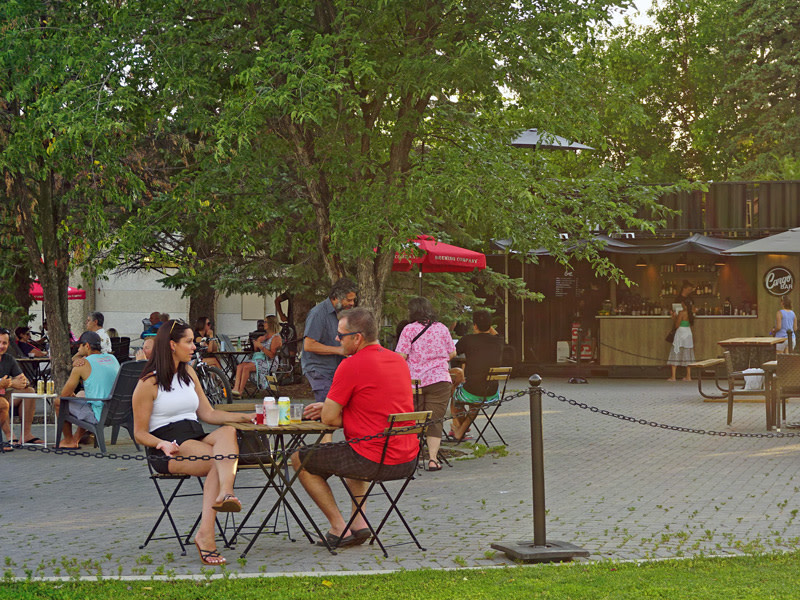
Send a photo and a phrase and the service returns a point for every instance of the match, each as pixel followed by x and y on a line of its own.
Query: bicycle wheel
pixel 216 386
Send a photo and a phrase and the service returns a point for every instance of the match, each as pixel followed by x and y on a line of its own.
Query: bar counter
pixel 639 340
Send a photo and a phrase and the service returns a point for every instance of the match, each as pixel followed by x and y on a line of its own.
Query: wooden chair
pixel 488 408
pixel 117 408
pixel 736 385
pixel 788 379
pixel 378 483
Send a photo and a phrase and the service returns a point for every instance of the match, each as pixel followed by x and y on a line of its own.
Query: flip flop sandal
pixel 206 554
pixel 335 542
pixel 230 503
pixel 361 535
pixel 35 440
pixel 437 467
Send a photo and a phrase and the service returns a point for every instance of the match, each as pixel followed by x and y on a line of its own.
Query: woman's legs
pixel 219 474
pixel 242 375
pixel 674 370
pixel 435 398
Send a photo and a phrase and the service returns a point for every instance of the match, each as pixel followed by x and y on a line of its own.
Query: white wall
pixel 126 299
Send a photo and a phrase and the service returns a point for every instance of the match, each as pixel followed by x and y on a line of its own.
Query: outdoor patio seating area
pixel 620 489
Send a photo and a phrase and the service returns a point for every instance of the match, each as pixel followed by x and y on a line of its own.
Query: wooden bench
pixel 704 365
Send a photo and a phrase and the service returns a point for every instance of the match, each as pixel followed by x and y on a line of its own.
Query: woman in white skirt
pixel 682 352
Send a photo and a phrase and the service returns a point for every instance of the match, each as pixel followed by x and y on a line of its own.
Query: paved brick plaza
pixel 620 490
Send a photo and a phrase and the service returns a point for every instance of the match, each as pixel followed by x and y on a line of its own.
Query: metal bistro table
pixel 276 451
pixel 230 360
pixel 45 398
pixel 751 352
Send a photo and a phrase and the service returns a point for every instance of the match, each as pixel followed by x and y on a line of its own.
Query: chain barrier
pixel 515 394
pixel 608 413
pixel 661 360
pixel 253 455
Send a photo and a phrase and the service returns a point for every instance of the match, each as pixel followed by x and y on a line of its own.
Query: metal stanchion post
pixel 539 550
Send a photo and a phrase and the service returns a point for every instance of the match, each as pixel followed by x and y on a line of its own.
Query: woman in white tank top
pixel 167 405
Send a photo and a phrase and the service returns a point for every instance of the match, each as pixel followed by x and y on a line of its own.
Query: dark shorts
pixel 320 384
pixel 340 459
pixel 180 431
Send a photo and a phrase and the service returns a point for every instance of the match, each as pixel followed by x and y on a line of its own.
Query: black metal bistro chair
pixel 398 425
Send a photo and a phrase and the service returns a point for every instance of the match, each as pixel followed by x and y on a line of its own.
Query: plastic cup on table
pixel 259 413
pixel 296 413
pixel 272 415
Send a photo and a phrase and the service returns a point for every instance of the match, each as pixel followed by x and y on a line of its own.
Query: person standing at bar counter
pixel 682 351
pixel 785 326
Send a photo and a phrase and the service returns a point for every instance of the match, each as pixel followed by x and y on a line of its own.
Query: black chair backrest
pixel 121 348
pixel 120 408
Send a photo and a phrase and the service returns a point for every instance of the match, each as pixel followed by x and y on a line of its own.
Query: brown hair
pixel 160 365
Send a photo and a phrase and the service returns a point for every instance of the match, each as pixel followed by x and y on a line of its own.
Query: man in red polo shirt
pixel 367 387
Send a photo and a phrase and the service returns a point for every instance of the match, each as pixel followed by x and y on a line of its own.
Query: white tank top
pixel 179 403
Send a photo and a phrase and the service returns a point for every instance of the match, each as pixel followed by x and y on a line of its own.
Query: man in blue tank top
pixel 98 371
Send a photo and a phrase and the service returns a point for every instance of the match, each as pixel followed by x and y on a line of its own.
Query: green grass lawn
pixel 758 577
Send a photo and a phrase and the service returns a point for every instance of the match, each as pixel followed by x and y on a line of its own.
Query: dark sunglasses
pixel 341 336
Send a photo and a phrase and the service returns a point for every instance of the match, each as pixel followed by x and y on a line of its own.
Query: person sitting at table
pixel 97 371
pixel 367 387
pixel 168 403
pixel 263 361
pixel 13 380
pixel 205 339
pixel 482 350
pixel 23 335
pixel 785 326
pixel 146 351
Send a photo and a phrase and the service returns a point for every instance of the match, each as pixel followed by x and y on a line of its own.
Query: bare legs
pixel 243 372
pixel 219 474
pixel 320 492
pixel 675 370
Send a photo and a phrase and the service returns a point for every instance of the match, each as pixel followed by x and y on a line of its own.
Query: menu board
pixel 565 286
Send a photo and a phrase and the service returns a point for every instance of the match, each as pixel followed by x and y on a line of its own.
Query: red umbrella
pixel 72 293
pixel 438 257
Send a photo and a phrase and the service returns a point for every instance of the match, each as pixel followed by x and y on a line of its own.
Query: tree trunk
pixel 51 264
pixel 372 276
pixel 203 303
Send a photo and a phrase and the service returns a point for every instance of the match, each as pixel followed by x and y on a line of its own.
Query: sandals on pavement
pixel 35 440
pixel 230 503
pixel 211 558
pixel 335 541
pixel 437 466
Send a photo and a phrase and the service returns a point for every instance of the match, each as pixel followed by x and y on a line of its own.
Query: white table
pixel 44 397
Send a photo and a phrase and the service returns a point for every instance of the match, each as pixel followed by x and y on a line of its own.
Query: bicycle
pixel 213 380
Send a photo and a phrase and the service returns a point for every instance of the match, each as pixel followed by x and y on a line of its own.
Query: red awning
pixel 72 293
pixel 438 257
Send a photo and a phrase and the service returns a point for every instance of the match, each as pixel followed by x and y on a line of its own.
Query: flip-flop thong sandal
pixel 230 503
pixel 35 440
pixel 205 555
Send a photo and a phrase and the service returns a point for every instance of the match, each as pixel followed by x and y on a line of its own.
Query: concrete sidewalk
pixel 618 489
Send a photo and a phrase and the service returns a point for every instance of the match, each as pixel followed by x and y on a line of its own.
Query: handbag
pixel 670 336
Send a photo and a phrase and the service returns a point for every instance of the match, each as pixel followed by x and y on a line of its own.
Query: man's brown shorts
pixel 340 459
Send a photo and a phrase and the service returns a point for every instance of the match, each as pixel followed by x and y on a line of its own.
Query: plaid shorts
pixel 340 459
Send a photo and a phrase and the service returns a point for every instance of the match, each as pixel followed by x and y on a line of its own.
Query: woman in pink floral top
pixel 427 346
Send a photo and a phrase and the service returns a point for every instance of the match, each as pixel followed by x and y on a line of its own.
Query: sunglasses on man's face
pixel 341 336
